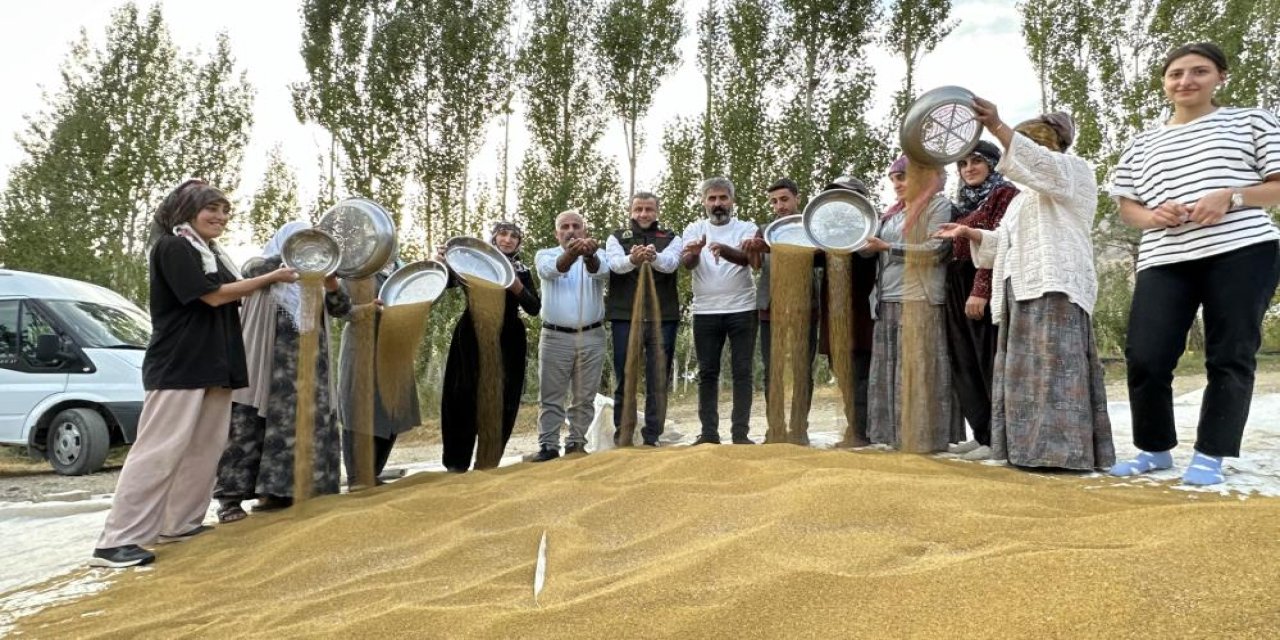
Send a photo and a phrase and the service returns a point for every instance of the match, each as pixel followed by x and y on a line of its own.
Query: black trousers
pixel 458 410
pixel 1234 289
pixel 709 334
pixel 656 343
pixel 381 453
pixel 766 353
pixel 972 346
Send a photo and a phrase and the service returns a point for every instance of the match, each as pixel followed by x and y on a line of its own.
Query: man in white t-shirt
pixel 724 307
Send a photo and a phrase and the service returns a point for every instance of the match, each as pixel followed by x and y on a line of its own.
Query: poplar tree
pixel 275 202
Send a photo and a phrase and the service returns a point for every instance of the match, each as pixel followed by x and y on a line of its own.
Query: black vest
pixel 622 286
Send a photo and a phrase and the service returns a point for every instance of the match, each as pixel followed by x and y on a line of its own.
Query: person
pixel 387 425
pixel 258 458
pixel 571 347
pixel 195 358
pixel 863 273
pixel 983 197
pixel 1198 187
pixel 644 241
pixel 723 308
pixel 784 200
pixel 458 429
pixel 898 285
pixel 1049 403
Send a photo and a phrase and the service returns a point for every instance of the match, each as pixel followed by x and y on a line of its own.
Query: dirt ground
pixel 25 479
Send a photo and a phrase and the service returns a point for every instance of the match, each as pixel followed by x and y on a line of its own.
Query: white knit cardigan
pixel 1043 243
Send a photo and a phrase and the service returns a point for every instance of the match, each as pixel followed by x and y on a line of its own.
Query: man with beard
pixel 724 307
pixel 571 349
pixel 644 242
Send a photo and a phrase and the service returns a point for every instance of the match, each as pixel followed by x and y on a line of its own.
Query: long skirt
pixel 1049 406
pixel 925 400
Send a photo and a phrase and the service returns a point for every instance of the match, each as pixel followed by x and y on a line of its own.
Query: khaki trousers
pixel 168 478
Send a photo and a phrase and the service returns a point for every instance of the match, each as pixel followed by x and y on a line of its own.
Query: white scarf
pixel 210 252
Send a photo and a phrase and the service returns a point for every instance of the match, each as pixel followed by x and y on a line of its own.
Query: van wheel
pixel 78 442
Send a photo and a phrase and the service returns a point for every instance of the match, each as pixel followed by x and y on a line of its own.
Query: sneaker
pixel 180 537
pixel 743 440
pixel 130 555
pixel 980 453
pixel 963 447
pixel 544 454
pixel 571 449
pixel 706 440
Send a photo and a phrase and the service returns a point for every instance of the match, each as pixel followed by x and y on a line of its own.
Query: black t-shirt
pixel 193 345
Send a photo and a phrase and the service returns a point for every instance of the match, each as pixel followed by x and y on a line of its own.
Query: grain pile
pixel 716 542
pixel 487 301
pixel 400 333
pixel 790 312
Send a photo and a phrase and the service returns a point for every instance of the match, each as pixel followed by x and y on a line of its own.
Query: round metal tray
pixel 940 127
pixel 472 258
pixel 788 230
pixel 366 234
pixel 840 220
pixel 311 251
pixel 421 281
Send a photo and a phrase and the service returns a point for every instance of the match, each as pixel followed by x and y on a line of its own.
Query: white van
pixel 70 369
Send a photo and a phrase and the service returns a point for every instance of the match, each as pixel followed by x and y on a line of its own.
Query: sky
pixel 985 54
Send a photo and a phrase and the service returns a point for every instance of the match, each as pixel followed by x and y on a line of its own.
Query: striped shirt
pixel 1228 148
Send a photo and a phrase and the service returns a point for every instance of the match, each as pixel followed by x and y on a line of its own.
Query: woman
pixel 911 279
pixel 461 374
pixel 258 459
pixel 386 426
pixel 1197 186
pixel 1049 405
pixel 971 337
pixel 195 358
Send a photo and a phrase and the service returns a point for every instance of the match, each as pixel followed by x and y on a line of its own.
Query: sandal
pixel 231 512
pixel 272 503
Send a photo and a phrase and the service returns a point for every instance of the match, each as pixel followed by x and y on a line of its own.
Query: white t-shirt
pixel 720 286
pixel 1226 148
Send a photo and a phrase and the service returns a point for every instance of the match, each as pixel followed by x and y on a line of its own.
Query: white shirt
pixel 1183 163
pixel 573 299
pixel 720 286
pixel 1043 243
pixel 619 261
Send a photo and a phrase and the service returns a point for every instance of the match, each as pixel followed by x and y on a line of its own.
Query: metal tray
pixel 788 230
pixel 421 281
pixel 312 251
pixel 472 258
pixel 840 220
pixel 366 234
pixel 940 126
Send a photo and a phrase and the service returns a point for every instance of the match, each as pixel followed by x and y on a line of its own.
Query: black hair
pixel 1207 49
pixel 784 183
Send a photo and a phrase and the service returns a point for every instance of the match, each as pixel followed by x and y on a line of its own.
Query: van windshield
pixel 103 326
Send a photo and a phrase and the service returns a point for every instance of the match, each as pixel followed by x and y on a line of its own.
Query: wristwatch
pixel 1237 198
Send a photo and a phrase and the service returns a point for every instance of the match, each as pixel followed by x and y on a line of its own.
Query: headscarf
pixel 898 166
pixel 515 230
pixel 1055 130
pixel 969 197
pixel 287 295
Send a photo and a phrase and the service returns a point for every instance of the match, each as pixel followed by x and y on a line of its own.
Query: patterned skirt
pixel 1049 402
pixel 909 396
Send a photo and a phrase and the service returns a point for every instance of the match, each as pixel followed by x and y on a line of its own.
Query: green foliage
pixel 131 118
pixel 276 200
pixel 634 42
pixel 562 167
pixel 915 28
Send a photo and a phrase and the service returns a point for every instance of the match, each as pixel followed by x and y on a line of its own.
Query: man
pixel 784 200
pixel 571 348
pixel 644 242
pixel 724 307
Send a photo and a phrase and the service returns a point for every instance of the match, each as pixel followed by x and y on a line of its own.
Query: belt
pixel 589 327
